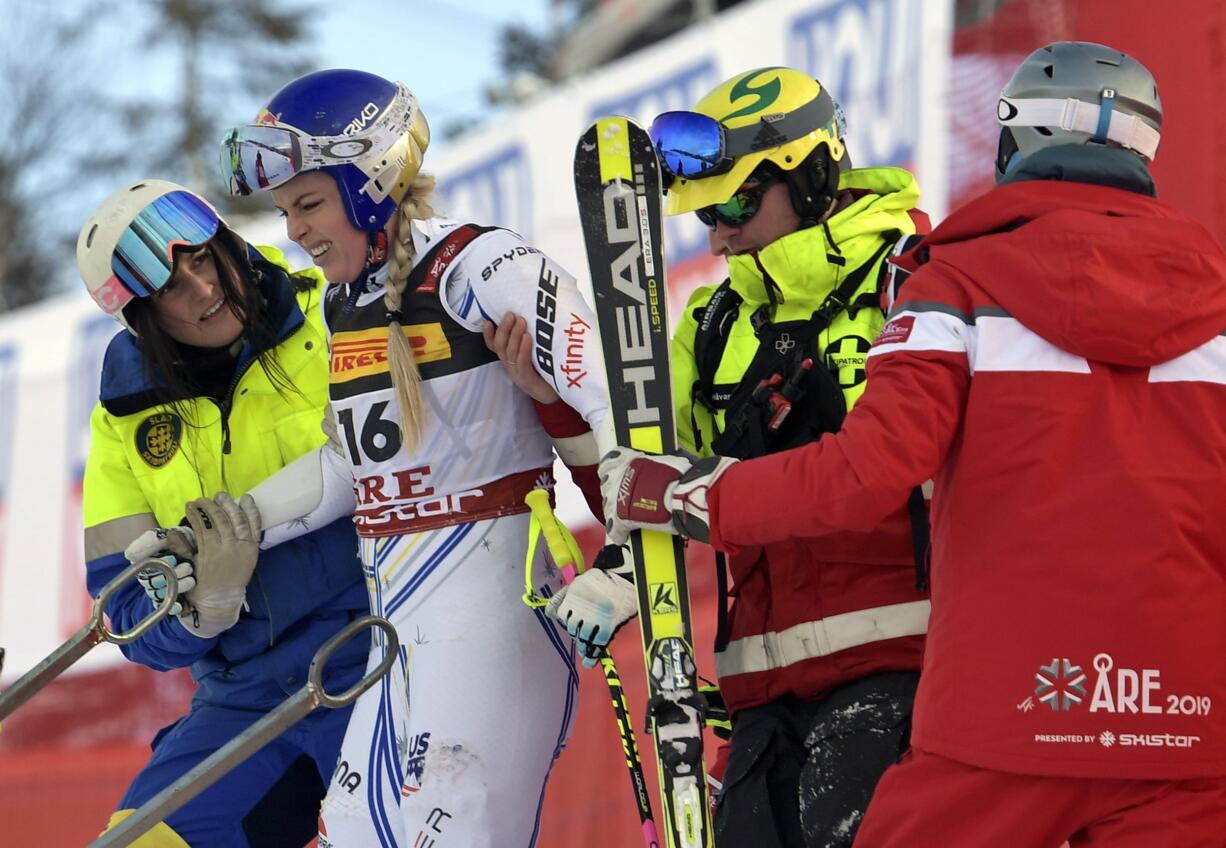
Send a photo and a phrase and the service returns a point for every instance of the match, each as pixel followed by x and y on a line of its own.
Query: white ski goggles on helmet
pixel 258 157
pixel 1102 121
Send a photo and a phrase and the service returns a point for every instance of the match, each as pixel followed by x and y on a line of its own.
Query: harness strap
pixel 714 320
pixel 840 299
pixel 722 630
pixel 895 277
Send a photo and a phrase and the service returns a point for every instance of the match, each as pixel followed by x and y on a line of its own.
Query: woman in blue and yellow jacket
pixel 218 381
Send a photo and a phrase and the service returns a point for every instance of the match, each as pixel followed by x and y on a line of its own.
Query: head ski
pixel 617 181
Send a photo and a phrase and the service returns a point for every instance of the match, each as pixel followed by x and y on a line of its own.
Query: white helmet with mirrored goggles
pixel 259 157
pixel 126 249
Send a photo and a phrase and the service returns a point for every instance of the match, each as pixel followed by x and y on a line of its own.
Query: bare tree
pixel 39 109
pixel 228 52
pixel 84 108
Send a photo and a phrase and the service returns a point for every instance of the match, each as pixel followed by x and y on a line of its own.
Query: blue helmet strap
pixel 1105 106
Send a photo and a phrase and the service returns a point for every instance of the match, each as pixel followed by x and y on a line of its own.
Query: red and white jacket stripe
pixel 1058 366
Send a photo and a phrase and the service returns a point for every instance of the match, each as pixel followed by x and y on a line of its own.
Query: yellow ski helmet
pixel 776 115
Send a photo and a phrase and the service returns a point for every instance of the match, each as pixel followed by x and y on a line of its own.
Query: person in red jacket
pixel 1056 362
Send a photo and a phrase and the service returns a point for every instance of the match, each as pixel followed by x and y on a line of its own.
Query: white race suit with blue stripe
pixel 453 747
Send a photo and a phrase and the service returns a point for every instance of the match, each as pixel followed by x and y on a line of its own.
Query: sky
pixel 446 51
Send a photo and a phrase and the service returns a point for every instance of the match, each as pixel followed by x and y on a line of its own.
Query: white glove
pixel 597 603
pixel 666 492
pixel 154 582
pixel 175 546
pixel 227 536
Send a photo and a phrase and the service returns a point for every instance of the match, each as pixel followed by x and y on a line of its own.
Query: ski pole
pixel 94 631
pixel 566 554
pixel 255 737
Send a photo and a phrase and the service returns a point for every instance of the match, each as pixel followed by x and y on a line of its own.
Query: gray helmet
pixel 1077 92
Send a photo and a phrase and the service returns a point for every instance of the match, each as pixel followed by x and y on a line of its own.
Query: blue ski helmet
pixel 367 133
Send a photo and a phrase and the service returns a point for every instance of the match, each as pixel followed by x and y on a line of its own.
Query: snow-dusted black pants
pixel 800 773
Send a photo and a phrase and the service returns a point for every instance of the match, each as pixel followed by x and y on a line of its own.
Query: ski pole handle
pixel 255 737
pixel 94 631
pixel 562 545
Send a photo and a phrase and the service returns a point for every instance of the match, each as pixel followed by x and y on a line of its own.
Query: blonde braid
pixel 402 364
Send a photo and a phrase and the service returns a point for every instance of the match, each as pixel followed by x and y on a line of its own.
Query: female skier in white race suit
pixel 438 447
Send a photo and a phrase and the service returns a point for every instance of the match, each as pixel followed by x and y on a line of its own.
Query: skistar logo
pixel 897 331
pixel 1148 740
pixel 1120 690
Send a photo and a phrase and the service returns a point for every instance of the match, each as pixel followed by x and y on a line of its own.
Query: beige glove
pixel 227 536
